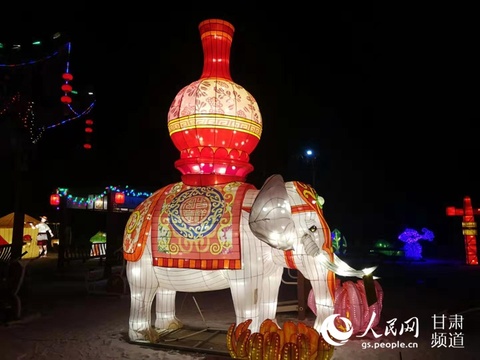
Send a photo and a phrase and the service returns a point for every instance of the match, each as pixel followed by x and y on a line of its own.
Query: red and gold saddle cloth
pixel 191 227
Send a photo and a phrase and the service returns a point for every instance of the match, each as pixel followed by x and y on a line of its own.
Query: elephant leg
pixel 189 280
pixel 323 299
pixel 246 300
pixel 143 286
pixel 269 294
pixel 165 310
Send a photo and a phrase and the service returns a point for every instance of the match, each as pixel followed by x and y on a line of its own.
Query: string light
pixel 79 200
pixel 9 103
pixel 30 62
pixel 85 112
pixel 36 134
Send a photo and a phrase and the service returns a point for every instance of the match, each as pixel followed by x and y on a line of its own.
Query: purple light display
pixel 411 237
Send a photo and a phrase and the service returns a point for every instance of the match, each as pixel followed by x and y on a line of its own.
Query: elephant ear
pixel 271 215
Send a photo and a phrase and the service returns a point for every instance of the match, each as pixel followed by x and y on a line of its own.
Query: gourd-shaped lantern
pixel 214 122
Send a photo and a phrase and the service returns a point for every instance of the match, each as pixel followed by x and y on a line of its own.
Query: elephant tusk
pixel 341 268
pixel 366 271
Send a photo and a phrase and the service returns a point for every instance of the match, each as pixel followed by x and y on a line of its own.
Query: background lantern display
pixel 469 228
pixel 214 122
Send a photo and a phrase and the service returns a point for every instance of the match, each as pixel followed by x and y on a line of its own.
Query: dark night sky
pixel 389 106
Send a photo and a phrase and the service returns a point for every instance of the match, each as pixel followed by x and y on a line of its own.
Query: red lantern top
pixel 216 36
pixel 214 122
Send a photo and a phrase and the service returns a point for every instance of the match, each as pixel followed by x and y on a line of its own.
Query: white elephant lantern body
pixel 196 239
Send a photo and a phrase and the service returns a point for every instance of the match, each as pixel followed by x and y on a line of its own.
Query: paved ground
pixel 62 320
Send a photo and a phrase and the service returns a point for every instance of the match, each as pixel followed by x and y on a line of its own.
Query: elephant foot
pixel 174 324
pixel 150 335
pixel 138 335
pixel 177 324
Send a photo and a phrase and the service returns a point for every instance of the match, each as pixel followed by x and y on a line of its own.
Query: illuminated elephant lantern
pixel 206 238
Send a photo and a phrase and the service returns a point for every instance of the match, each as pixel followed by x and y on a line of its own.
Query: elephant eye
pixel 312 228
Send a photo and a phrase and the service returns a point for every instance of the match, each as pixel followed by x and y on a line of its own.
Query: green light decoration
pixel 386 248
pixel 339 242
pixel 320 201
pixel 99 237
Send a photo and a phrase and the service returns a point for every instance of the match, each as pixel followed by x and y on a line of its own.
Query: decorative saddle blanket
pixel 190 227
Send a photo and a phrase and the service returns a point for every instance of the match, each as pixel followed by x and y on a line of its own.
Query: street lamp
pixel 310 157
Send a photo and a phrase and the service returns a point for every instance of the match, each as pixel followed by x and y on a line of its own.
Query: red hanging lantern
pixel 66 99
pixel 55 199
pixel 87 146
pixel 67 77
pixel 119 198
pixel 67 88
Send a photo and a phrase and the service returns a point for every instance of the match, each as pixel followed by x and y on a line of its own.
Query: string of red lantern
pixel 67 99
pixel 88 131
pixel 66 87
